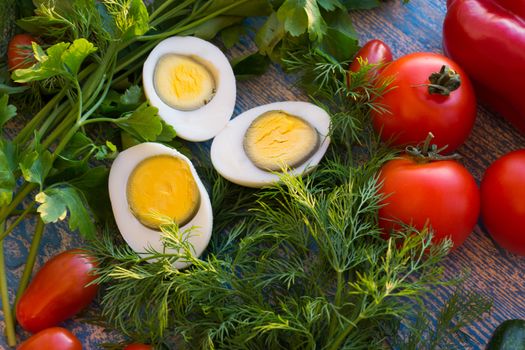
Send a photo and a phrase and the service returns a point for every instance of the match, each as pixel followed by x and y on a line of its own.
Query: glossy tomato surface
pixel 57 292
pixel 414 111
pixel 442 194
pixel 138 347
pixel 373 52
pixel 20 52
pixel 503 201
pixel 56 338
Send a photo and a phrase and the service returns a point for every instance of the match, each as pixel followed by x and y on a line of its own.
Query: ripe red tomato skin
pixel 414 112
pixel 57 292
pixel 18 56
pixel 503 201
pixel 374 51
pixel 440 193
pixel 138 347
pixel 55 338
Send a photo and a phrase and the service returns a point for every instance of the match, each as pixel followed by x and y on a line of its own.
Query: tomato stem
pixel 444 82
pixel 429 152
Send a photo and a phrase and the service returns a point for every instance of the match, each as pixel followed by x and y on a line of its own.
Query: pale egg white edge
pixel 230 160
pixel 204 123
pixel 138 236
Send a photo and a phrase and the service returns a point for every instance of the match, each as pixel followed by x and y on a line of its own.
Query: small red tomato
pixel 442 194
pixel 57 292
pixel 56 338
pixel 138 347
pixel 503 201
pixel 20 52
pixel 415 108
pixel 373 52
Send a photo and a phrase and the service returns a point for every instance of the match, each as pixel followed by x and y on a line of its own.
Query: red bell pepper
pixel 487 39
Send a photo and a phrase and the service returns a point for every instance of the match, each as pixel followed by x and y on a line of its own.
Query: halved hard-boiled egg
pixel 192 84
pixel 259 143
pixel 151 184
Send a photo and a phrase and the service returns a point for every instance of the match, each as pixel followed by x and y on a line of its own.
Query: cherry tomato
pixel 373 52
pixel 414 111
pixel 442 194
pixel 57 292
pixel 56 338
pixel 503 201
pixel 138 347
pixel 20 52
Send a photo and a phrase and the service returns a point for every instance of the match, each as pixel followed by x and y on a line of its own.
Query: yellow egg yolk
pixel 162 187
pixel 277 139
pixel 183 83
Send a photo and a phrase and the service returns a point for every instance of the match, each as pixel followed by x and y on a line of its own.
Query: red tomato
pixel 414 111
pixel 55 338
pixel 57 292
pixel 138 347
pixel 20 52
pixel 442 194
pixel 375 51
pixel 503 201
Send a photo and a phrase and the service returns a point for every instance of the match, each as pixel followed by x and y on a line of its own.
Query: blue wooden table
pixel 406 28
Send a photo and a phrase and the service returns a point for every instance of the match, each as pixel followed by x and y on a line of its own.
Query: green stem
pixel 18 220
pixel 128 60
pixel 24 134
pixel 31 258
pixel 60 129
pixel 8 316
pixel 193 24
pixel 57 114
pixel 341 338
pixel 19 197
pixel 161 9
pixel 337 301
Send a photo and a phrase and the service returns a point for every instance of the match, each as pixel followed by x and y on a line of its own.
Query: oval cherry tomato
pixel 57 292
pixel 373 52
pixel 414 111
pixel 138 347
pixel 503 201
pixel 20 52
pixel 56 338
pixel 442 194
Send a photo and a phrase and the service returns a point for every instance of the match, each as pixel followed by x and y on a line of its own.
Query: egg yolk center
pixel 163 187
pixel 183 82
pixel 276 140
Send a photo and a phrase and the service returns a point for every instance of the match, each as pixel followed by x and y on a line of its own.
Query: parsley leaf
pixel 36 165
pixel 300 16
pixel 62 59
pixel 8 165
pixel 144 124
pixel 94 186
pixel 6 111
pixel 57 201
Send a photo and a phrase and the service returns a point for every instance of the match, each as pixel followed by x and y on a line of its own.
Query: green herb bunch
pixel 299 265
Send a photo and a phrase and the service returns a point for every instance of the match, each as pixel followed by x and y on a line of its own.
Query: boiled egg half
pixel 192 84
pixel 151 184
pixel 258 144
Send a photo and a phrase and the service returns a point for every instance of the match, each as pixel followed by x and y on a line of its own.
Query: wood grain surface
pixel 406 28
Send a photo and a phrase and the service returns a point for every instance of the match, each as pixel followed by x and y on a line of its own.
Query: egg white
pixel 138 236
pixel 230 160
pixel 205 122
